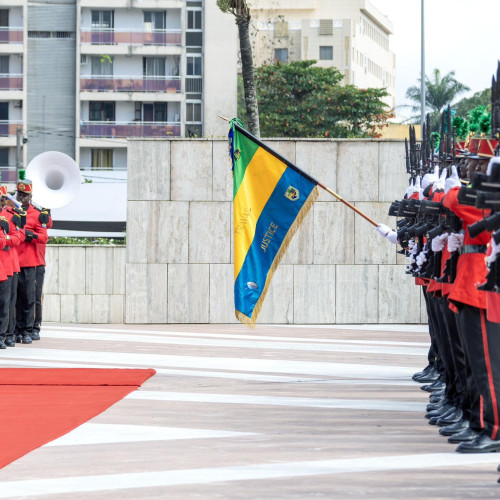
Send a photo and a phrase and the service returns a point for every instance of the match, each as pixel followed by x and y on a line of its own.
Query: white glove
pixel 409 189
pixel 495 250
pixel 439 242
pixel 414 187
pixel 453 180
pixel 455 241
pixel 412 246
pixel 421 259
pixel 429 178
pixel 388 233
pixel 439 183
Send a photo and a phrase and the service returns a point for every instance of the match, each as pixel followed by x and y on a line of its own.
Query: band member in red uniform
pixel 10 261
pixel 35 234
pixel 46 221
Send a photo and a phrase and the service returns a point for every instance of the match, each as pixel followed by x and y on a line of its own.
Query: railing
pixel 11 35
pixel 114 168
pixel 130 129
pixel 9 127
pixel 10 81
pixel 194 84
pixel 131 84
pixel 109 36
pixel 8 173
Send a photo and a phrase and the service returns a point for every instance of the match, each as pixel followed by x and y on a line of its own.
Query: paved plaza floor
pixel 278 412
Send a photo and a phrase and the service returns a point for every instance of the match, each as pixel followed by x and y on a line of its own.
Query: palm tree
pixel 241 12
pixel 439 92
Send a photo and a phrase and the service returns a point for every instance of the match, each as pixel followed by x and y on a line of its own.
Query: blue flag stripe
pixel 276 219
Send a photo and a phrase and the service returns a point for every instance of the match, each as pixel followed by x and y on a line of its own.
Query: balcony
pixel 108 36
pixel 130 84
pixel 130 129
pixel 9 81
pixel 8 128
pixel 11 35
pixel 8 173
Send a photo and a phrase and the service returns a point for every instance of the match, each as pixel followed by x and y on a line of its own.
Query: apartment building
pixel 351 35
pixel 82 76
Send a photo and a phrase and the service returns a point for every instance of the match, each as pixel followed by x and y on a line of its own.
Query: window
pixel 4 17
pixel 193 112
pixel 153 66
pixel 193 65
pixel 326 52
pixel 194 20
pixel 4 157
pixel 154 19
pixel 103 19
pixel 101 66
pixel 101 111
pixel 101 158
pixel 155 112
pixel 281 55
pixel 4 65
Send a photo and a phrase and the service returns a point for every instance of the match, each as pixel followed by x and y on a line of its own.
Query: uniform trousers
pixel 4 305
pixel 433 355
pixel 40 275
pixel 453 389
pixel 482 345
pixel 12 307
pixel 25 307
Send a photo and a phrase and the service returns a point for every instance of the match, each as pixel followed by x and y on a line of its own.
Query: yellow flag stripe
pixel 261 176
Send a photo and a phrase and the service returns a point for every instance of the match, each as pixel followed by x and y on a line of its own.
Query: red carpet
pixel 38 405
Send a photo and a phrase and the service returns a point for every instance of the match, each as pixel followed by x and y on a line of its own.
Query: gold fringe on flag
pixel 243 318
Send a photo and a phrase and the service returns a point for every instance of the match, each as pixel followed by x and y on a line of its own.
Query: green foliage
pixel 479 120
pixel 482 98
pixel 299 99
pixel 439 92
pixel 69 240
pixel 224 5
pixel 461 126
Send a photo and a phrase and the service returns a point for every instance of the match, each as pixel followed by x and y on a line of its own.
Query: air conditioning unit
pixel 84 58
pixel 18 104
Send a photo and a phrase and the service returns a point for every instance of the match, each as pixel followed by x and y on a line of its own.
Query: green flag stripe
pixel 246 148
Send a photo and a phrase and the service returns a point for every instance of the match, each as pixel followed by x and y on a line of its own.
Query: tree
pixel 482 98
pixel 439 92
pixel 239 9
pixel 299 99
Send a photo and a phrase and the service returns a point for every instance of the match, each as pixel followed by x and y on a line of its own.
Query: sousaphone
pixel 56 179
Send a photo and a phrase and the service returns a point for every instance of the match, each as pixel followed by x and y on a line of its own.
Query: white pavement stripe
pixel 90 433
pixel 351 404
pixel 116 482
pixel 244 344
pixel 226 375
pixel 346 370
pixel 262 337
pixel 410 328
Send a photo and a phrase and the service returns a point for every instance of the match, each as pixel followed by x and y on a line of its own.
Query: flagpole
pixel 300 171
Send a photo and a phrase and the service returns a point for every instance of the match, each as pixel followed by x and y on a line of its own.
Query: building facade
pixel 351 35
pixel 81 76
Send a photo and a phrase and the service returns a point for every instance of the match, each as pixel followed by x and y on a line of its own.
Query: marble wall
pixel 84 284
pixel 179 239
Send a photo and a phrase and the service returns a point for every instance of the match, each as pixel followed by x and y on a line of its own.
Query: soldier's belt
pixel 473 249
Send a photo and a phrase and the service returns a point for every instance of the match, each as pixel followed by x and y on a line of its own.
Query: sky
pixel 460 36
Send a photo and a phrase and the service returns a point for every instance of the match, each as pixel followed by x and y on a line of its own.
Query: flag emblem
pixel 292 194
